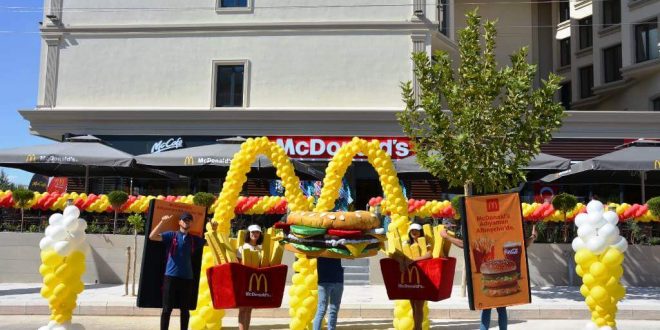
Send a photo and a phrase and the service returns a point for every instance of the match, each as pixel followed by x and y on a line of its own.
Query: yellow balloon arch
pixel 303 292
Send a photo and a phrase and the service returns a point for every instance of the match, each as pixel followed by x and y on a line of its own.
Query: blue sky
pixel 19 75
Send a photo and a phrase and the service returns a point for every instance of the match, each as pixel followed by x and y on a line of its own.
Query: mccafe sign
pixel 306 147
pixel 167 144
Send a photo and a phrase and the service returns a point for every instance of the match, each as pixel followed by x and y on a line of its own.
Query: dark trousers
pixel 177 293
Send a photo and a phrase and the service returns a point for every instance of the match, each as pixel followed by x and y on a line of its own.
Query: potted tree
pixel 117 198
pixel 137 222
pixel 204 199
pixel 564 203
pixel 22 198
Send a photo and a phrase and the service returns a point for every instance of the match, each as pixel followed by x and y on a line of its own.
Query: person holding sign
pixel 414 233
pixel 502 317
pixel 253 241
pixel 178 281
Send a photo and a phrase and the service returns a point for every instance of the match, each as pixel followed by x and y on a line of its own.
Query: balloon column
pixel 395 204
pixel 62 265
pixel 205 317
pixel 599 254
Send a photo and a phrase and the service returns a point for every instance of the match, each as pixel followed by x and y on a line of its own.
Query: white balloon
pixel 596 244
pixel 55 219
pixel 609 233
pixel 62 248
pixel 70 223
pixel 76 238
pixel 45 327
pixel 46 243
pixel 586 232
pixel 621 245
pixel 578 244
pixel 605 327
pixel 581 219
pixel 590 326
pixel 595 207
pixel 71 212
pixel 82 224
pixel 56 232
pixel 611 217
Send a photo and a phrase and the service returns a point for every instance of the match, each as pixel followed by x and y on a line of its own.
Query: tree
pixel 22 198
pixel 564 203
pixel 496 120
pixel 5 183
pixel 137 222
pixel 204 199
pixel 117 198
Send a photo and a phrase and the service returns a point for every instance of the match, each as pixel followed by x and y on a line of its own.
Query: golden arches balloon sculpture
pixel 205 317
pixel 303 308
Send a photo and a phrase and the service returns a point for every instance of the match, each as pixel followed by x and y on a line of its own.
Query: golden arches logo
pixel 189 160
pixel 257 278
pixel 410 272
pixel 656 164
pixel 31 158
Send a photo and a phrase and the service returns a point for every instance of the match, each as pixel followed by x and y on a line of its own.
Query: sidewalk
pixel 365 302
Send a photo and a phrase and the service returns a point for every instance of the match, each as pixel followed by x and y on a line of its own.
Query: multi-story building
pixel 608 52
pixel 141 73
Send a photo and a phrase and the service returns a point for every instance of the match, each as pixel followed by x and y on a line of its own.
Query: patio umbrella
pixel 542 162
pixel 213 161
pixel 634 164
pixel 82 156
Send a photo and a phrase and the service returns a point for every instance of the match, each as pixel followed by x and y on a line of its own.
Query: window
pixel 646 41
pixel 564 11
pixel 566 96
pixel 585 31
pixel 656 104
pixel 565 52
pixel 229 85
pixel 444 17
pixel 611 12
pixel 233 3
pixel 586 81
pixel 612 63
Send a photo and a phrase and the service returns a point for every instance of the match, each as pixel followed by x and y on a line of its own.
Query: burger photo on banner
pixel 495 252
pixel 333 234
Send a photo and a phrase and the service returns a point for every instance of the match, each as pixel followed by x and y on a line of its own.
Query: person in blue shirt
pixel 178 281
pixel 331 287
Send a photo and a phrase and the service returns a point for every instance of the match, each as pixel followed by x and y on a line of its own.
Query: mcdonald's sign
pixel 189 160
pixel 656 164
pixel 31 158
pixel 258 279
pixel 492 205
pixel 413 274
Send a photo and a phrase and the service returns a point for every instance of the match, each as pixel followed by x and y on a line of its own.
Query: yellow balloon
pixel 599 293
pixel 578 270
pixel 589 280
pixel 585 257
pixel 584 290
pixel 598 269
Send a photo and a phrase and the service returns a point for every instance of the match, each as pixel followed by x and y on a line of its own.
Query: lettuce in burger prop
pixel 333 234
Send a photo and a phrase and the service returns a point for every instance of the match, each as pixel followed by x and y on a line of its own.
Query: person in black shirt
pixel 331 288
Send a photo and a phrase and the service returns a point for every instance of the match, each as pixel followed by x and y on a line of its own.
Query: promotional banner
pixel 234 285
pixel 154 257
pixel 429 279
pixel 495 252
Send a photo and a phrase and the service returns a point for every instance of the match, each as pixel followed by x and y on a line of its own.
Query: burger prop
pixel 333 234
pixel 499 278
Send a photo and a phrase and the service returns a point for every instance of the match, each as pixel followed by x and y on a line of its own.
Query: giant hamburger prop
pixel 499 278
pixel 333 234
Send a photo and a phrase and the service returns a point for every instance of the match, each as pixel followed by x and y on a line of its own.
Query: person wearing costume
pixel 253 241
pixel 178 282
pixel 502 317
pixel 414 233
pixel 330 289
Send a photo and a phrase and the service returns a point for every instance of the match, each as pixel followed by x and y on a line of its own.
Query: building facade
pixel 143 73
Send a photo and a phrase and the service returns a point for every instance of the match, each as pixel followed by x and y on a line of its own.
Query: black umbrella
pixel 634 164
pixel 542 162
pixel 82 156
pixel 213 161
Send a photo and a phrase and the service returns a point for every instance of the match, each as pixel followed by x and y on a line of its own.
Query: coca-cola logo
pixel 169 144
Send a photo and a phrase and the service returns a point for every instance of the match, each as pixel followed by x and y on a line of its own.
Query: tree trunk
pixel 565 229
pixel 128 270
pixel 134 260
pixel 467 190
pixel 114 225
pixel 22 217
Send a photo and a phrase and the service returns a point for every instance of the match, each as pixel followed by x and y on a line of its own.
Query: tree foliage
pixel 5 183
pixel 654 206
pixel 204 199
pixel 22 197
pixel 136 221
pixel 496 119
pixel 117 198
pixel 564 202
